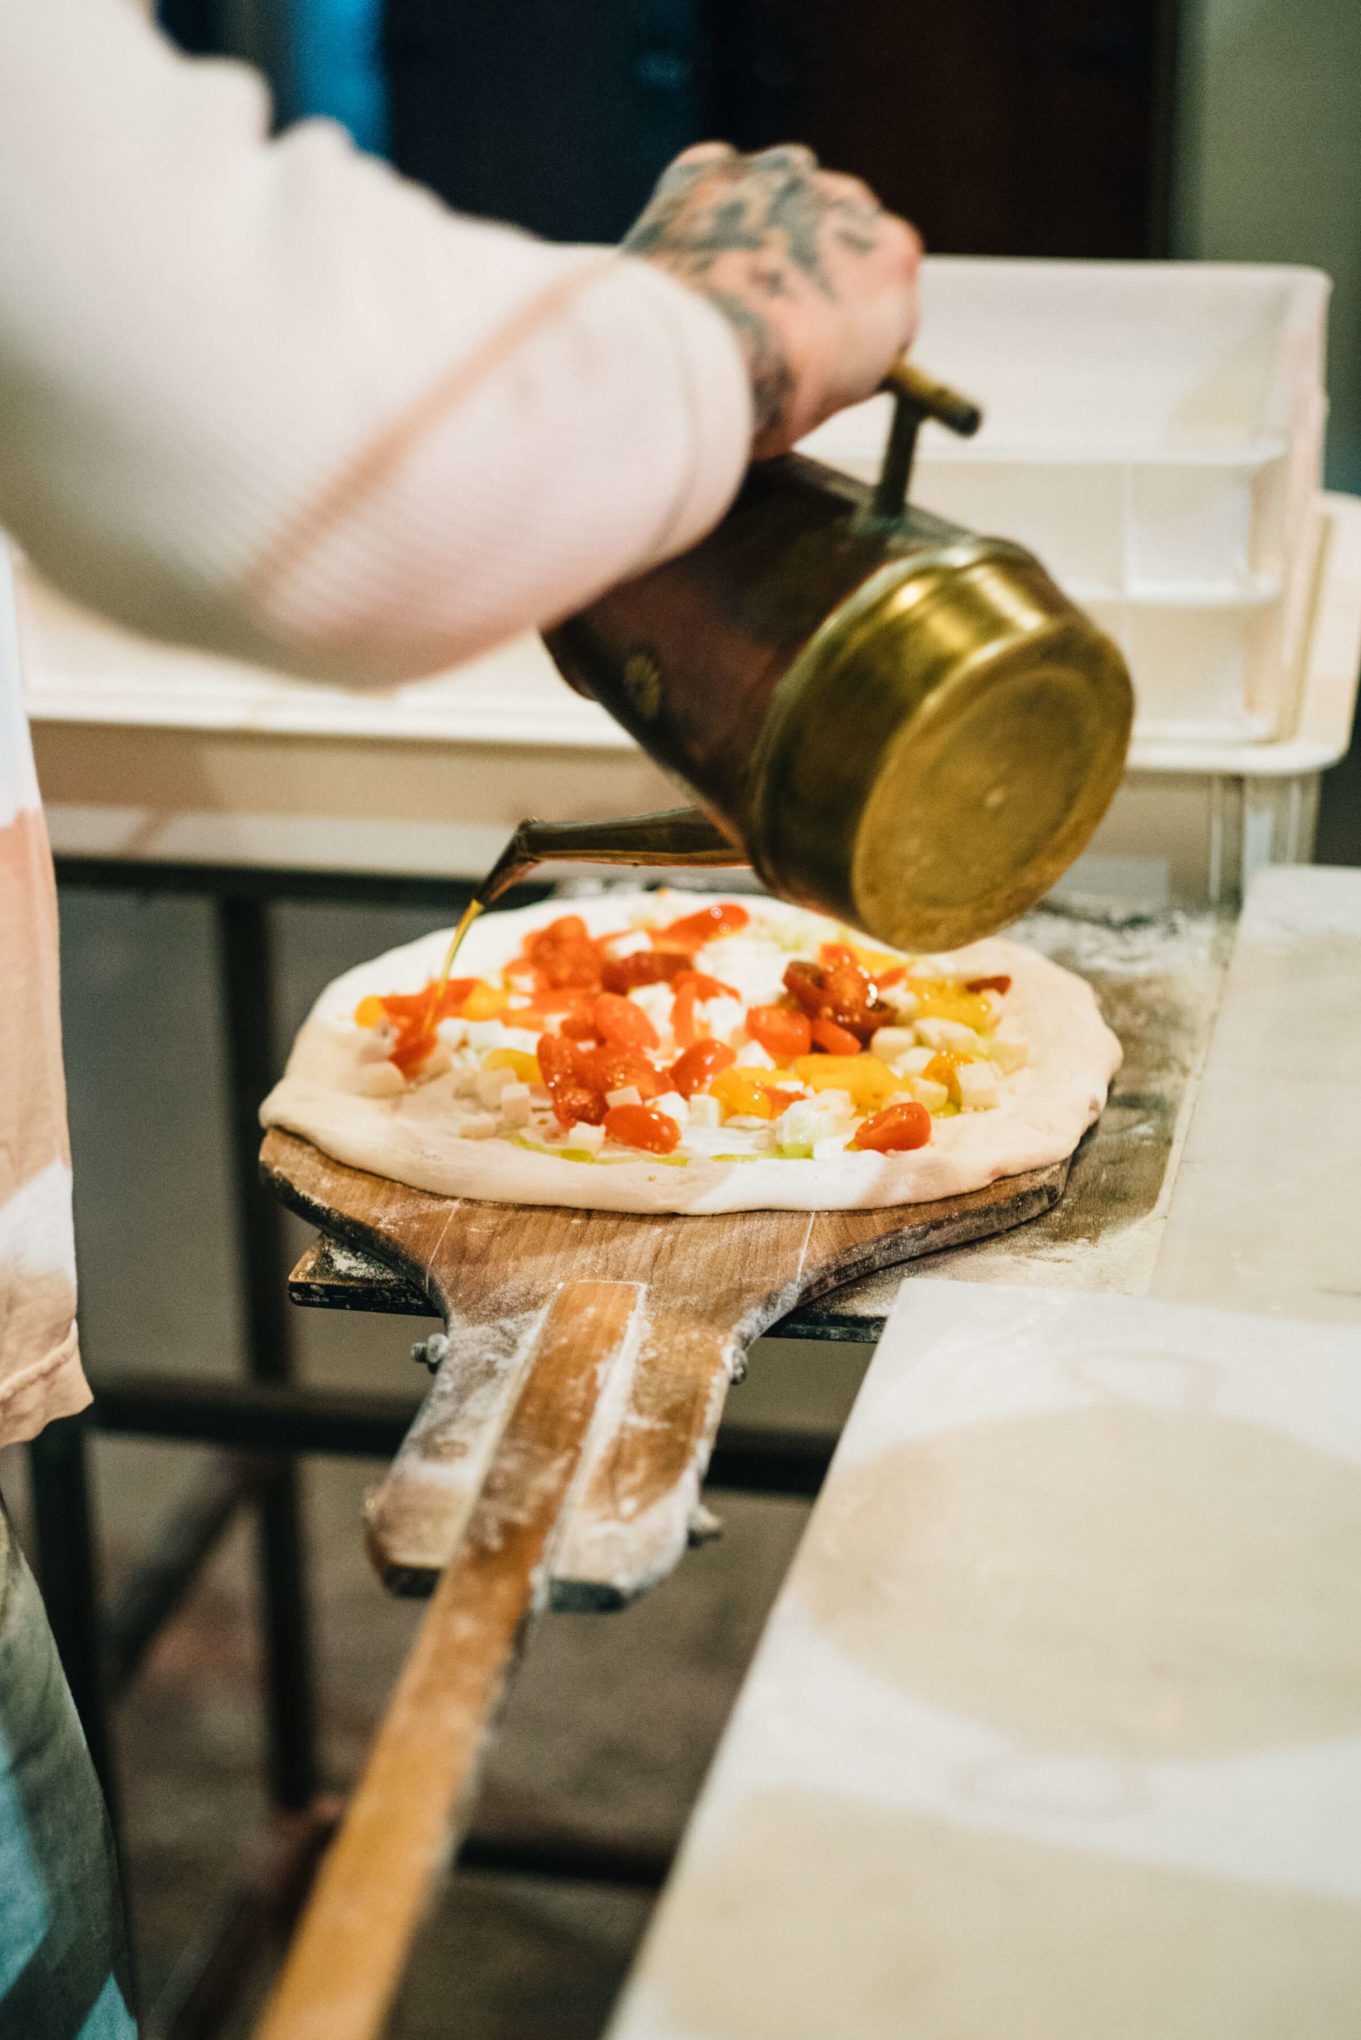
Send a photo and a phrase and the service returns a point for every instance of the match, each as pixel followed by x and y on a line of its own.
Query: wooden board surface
pixel 708 1286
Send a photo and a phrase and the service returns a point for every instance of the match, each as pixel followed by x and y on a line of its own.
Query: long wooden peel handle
pixel 413 1799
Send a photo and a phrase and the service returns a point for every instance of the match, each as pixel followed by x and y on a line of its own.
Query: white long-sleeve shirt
pixel 267 397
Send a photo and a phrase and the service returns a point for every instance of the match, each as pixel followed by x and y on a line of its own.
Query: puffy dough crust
pixel 1045 1110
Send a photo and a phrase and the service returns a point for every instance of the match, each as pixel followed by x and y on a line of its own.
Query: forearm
pixel 268 398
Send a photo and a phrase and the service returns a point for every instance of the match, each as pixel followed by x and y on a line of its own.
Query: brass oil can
pixel 892 719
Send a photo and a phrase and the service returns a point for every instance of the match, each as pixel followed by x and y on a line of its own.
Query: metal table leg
pixel 244 963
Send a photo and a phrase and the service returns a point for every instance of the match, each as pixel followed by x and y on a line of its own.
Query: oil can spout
pixel 677 836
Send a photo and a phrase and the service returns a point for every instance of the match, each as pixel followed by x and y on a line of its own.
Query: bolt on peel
pixel 667 1051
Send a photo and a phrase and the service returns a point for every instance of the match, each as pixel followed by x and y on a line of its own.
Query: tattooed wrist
pixel 772 378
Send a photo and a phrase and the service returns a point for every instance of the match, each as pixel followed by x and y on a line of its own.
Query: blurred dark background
pixel 1041 129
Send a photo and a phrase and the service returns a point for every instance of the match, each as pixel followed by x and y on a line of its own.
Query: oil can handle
pixel 916 398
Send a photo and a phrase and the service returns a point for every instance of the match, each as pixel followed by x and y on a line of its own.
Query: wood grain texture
pixel 711 1284
pixel 347 1957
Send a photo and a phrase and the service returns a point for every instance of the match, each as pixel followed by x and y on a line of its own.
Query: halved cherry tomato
pixel 644 967
pixel 692 931
pixel 622 1024
pixel 574 1105
pixel 896 1128
pixel 578 1027
pixel 564 954
pixel 1000 983
pixel 403 1006
pixel 642 1126
pixel 782 1032
pixel 691 1071
pixel 837 991
pixel 608 1068
pixel 836 1040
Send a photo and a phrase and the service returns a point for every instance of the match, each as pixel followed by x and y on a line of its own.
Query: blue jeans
pixel 63 1955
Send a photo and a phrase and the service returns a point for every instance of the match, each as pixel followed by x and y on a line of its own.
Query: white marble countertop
pixel 1055 1730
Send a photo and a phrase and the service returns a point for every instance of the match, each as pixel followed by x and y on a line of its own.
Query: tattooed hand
pixel 818 281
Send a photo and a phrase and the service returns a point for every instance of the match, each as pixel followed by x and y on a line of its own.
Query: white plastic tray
pixel 1154 433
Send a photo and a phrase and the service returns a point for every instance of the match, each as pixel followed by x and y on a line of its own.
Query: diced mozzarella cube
pixel 477 1126
pixel 723 1017
pixel 626 1094
pixel 928 1092
pixel 674 1106
pixel 753 1057
pixel 483 1033
pixel 830 1148
pixel 915 1061
pixel 453 1033
pixel 491 1083
pixel 903 1002
pixel 704 1110
pixel 888 1043
pixel 584 1135
pixel 977 1083
pixel 1010 1052
pixel 633 944
pixel 378 1080
pixel 655 1001
pixel 948 1034
pixel 437 1064
pixel 514 1103
pixel 746 1122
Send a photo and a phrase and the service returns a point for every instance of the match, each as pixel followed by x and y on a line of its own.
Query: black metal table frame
pixel 258 1426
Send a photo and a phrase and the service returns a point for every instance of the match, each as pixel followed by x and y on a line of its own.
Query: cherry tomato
pixel 836 1040
pixel 692 931
pixel 837 991
pixel 412 1046
pixel 642 1126
pixel 782 1032
pixel 574 1104
pixel 578 1027
pixel 895 1128
pixel 1001 983
pixel 608 1068
pixel 622 1024
pixel 644 967
pixel 403 1006
pixel 691 1071
pixel 564 954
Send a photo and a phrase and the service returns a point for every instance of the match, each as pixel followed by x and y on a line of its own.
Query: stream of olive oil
pixel 469 915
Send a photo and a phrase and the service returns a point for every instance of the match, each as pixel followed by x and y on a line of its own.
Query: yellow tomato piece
pixel 741 1090
pixel 369 1011
pixel 942 999
pixel 869 1081
pixel 525 1065
pixel 875 961
pixel 483 1002
pixel 942 1070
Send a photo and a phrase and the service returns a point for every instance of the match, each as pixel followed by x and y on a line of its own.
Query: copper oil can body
pixel 907 726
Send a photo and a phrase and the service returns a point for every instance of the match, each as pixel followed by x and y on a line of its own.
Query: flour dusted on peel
pixel 779 1063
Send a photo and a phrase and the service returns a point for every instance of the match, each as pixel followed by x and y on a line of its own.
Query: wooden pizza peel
pixel 705 1287
pixel 560 1451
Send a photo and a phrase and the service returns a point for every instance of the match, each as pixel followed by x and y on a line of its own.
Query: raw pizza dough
pixel 413 1137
